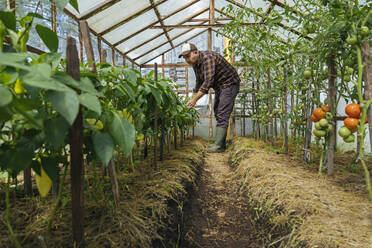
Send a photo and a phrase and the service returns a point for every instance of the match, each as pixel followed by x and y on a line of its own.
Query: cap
pixel 186 49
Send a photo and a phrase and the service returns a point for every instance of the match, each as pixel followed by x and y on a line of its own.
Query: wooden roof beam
pixel 129 18
pixel 176 46
pixel 184 21
pixel 161 22
pixel 99 9
pixel 207 19
pixel 97 35
pixel 154 48
pixel 152 24
pixel 218 25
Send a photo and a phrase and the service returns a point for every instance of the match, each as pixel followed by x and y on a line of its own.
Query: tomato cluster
pixel 321 117
pixel 351 123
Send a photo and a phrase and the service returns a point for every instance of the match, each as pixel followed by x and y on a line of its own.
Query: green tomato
pixel 319 133
pixel 364 30
pixel 344 132
pixel 329 116
pixel 349 70
pixel 323 123
pixel 317 126
pixel 347 78
pixel 349 139
pixel 352 40
pixel 329 129
pixel 307 74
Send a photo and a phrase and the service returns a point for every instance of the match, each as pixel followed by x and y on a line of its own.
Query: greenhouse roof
pixel 141 30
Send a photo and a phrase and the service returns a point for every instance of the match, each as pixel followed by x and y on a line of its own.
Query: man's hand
pixel 191 103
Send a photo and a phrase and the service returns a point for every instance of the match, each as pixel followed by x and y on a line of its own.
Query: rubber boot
pixel 220 143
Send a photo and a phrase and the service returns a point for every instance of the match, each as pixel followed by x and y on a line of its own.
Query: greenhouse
pixel 185 123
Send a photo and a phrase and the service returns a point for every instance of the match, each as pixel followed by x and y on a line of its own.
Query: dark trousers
pixel 224 103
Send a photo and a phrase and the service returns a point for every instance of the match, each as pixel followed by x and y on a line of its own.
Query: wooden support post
pixel 210 115
pixel 257 108
pixel 332 74
pixel 292 110
pixel 254 133
pixel 243 128
pixel 55 183
pixel 181 136
pixel 124 61
pixel 54 16
pixel 90 57
pixel 211 21
pixel 27 181
pixel 187 81
pixel 156 123
pixel 114 182
pixel 309 123
pixel 175 135
pixel 132 65
pixel 76 152
pixel 84 29
pixel 104 56
pixel 162 67
pixel 270 108
pixel 168 140
pixel 162 138
pixel 234 123
pixel 113 57
pixel 10 4
pixel 145 150
pixel 81 44
pixel 99 49
pixel 367 76
pixel 285 112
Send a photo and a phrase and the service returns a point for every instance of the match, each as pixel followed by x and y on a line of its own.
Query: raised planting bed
pixel 147 214
pixel 294 206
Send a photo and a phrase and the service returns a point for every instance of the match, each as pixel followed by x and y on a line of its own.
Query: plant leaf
pixel 91 102
pixel 123 133
pixel 130 76
pixel 49 38
pixel 9 19
pixel 65 103
pixel 103 146
pixel 56 131
pixel 6 96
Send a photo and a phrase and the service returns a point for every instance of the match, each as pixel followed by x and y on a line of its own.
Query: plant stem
pixel 321 162
pixel 7 217
pixel 367 176
pixel 362 124
pixel 58 200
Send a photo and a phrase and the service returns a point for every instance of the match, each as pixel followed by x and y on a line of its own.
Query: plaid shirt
pixel 213 71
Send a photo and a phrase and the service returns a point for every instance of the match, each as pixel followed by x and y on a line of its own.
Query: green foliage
pixel 39 103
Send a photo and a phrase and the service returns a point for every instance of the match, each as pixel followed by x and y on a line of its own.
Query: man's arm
pixel 195 98
pixel 208 71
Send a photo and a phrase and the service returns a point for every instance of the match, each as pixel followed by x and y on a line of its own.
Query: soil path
pixel 217 215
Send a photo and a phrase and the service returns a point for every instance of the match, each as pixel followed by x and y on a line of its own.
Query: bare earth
pixel 217 215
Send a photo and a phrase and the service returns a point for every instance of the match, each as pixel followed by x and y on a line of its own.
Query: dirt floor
pixel 217 215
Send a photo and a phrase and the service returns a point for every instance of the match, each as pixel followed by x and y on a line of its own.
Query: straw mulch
pixel 297 208
pixel 150 204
